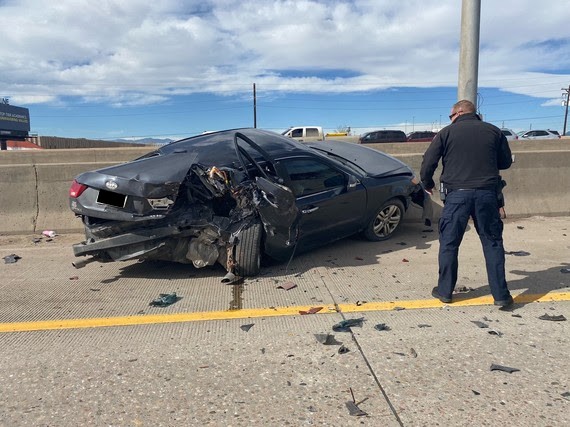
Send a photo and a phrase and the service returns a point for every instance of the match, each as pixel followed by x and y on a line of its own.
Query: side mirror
pixel 353 181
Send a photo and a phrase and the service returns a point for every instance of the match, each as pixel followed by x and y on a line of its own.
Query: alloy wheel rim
pixel 387 221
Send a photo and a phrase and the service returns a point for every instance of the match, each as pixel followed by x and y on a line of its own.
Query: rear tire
pixel 247 252
pixel 385 222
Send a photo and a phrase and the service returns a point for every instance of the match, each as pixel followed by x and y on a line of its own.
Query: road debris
pixel 566 395
pixel 11 259
pixel 553 318
pixel 382 327
pixel 495 332
pixel 343 349
pixel 517 253
pixel 355 410
pixel 327 339
pixel 463 290
pixel 413 353
pixel 476 393
pixel 164 300
pixel 565 270
pixel 345 325
pixel 247 327
pixel 503 368
pixel 480 324
pixel 49 233
pixel 424 325
pixel 287 285
pixel 311 310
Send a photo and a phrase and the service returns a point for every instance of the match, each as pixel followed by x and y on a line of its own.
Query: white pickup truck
pixel 305 133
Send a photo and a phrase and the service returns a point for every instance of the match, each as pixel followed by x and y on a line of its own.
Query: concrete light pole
pixel 469 51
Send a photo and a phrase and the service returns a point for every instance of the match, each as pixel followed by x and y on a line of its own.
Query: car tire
pixel 247 252
pixel 385 222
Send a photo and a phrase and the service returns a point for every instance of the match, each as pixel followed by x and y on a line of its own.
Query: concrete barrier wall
pixel 35 185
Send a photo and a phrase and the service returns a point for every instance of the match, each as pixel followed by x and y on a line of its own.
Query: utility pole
pixel 469 51
pixel 566 113
pixel 254 108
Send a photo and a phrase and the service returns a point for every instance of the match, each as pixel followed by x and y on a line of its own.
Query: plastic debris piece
pixel 495 332
pixel 476 393
pixel 503 368
pixel 11 259
pixel 247 327
pixel 354 410
pixel 345 325
pixel 413 353
pixel 230 278
pixel 480 324
pixel 424 325
pixel 165 300
pixel 565 270
pixel 382 327
pixel 327 339
pixel 553 318
pixel 517 253
pixel 311 310
pixel 343 349
pixel 49 233
pixel 287 285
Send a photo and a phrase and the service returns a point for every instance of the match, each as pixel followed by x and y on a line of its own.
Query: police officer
pixel 472 153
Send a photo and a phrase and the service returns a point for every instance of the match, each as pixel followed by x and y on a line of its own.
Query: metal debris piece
pixel 553 318
pixel 503 368
pixel 345 325
pixel 165 300
pixel 480 324
pixel 11 259
pixel 565 270
pixel 413 353
pixel 287 285
pixel 311 310
pixel 517 253
pixel 247 327
pixel 354 410
pixel 382 327
pixel 327 339
pixel 343 349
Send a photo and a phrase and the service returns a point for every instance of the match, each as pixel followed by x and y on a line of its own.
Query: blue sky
pixel 132 69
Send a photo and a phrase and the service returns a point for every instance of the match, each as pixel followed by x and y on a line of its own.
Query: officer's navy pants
pixel 482 206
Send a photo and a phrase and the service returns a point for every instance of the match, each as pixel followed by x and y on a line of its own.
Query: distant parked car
pixel 421 136
pixel 540 134
pixel 379 136
pixel 509 134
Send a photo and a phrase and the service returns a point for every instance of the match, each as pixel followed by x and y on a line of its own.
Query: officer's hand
pixel 429 191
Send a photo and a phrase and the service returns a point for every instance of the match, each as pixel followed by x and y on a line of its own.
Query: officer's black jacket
pixel 472 153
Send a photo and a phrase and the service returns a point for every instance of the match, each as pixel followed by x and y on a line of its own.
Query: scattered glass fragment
pixel 345 325
pixel 354 410
pixel 11 259
pixel 165 300
pixel 553 318
pixel 480 324
pixel 503 368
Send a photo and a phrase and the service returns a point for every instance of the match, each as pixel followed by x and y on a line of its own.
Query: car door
pixel 330 200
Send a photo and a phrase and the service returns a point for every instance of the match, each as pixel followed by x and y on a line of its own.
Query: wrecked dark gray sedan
pixel 236 196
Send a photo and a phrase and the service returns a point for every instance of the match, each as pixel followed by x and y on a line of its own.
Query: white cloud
pixel 138 52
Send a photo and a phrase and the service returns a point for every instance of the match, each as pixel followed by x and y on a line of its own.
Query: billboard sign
pixel 14 121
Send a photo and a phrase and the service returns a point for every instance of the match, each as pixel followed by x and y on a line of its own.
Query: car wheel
pixel 247 252
pixel 385 222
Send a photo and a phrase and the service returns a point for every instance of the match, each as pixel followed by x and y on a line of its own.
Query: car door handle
pixel 310 210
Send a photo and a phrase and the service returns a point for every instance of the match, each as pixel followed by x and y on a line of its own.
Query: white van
pixel 305 133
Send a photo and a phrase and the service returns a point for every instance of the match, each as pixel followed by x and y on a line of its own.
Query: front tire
pixel 247 252
pixel 385 222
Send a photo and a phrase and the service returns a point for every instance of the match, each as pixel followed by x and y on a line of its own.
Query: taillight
pixel 76 189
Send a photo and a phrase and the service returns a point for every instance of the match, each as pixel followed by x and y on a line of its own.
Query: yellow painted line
pixel 150 319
